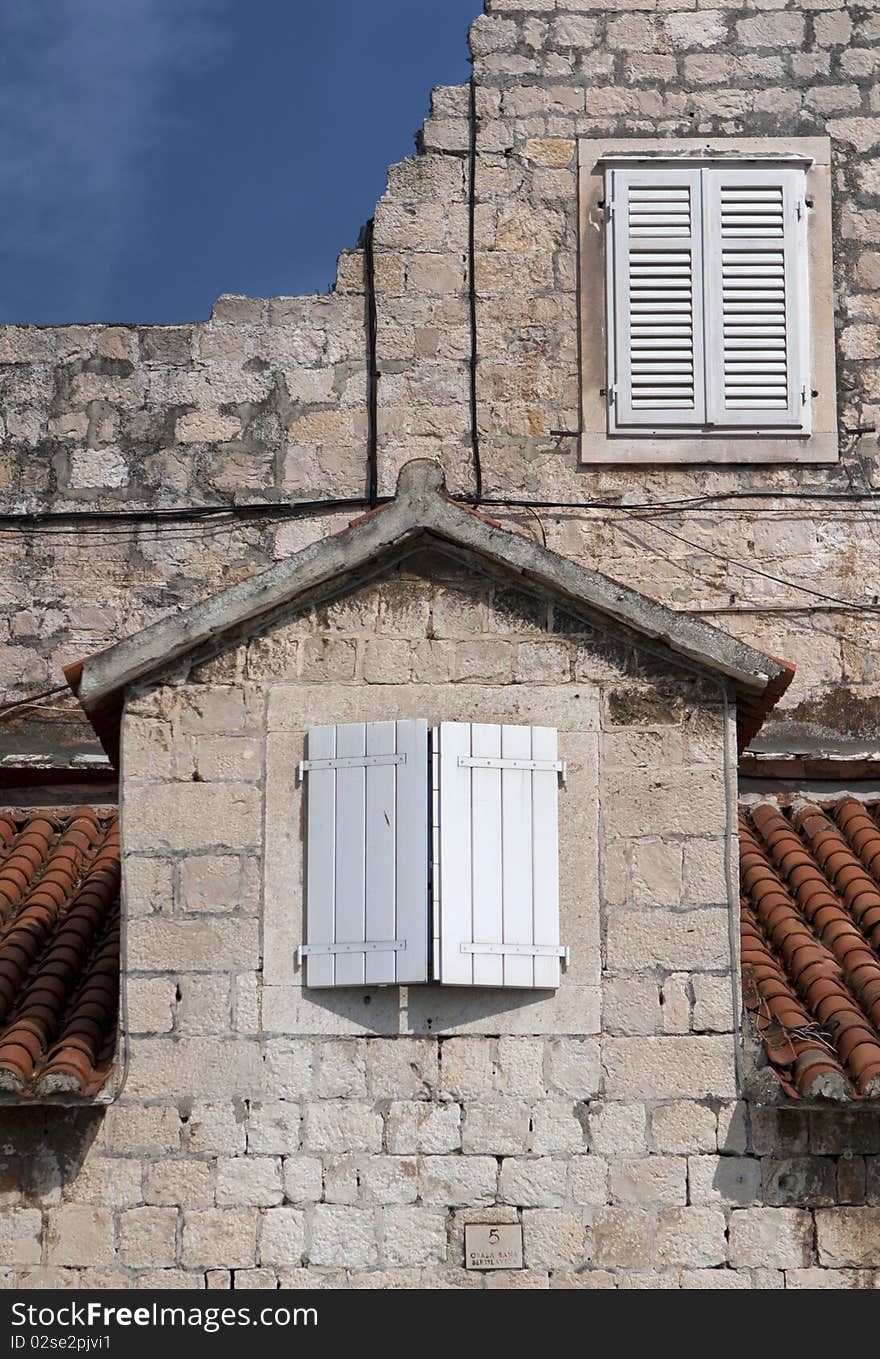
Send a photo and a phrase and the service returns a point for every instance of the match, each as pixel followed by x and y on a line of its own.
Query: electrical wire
pixel 32 699
pixel 41 519
pixel 119 522
pixel 756 571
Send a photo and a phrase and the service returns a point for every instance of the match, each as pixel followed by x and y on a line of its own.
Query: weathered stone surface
pixel 282 1237
pixel 331 1156
pixel 773 1238
pixel 76 1235
pixel 342 1236
pixel 220 1238
pixel 148 1237
pixel 658 1068
pixel 848 1236
pixel 21 1231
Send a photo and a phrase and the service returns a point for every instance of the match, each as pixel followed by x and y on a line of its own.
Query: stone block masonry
pixel 315 1150
pixel 647 1194
pixel 266 1137
pixel 266 400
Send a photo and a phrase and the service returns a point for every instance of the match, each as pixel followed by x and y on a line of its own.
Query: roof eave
pixel 420 507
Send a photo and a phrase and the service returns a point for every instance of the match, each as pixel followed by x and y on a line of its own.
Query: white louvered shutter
pixel 367 854
pixel 655 302
pixel 756 291
pixel 496 856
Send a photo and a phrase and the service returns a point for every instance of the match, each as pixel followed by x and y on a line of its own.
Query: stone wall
pixel 267 1140
pixel 267 400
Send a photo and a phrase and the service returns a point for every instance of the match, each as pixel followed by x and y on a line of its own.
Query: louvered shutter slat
pixel 756 298
pixel 655 299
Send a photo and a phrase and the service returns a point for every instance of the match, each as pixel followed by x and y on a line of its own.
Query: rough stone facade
pixel 258 1142
pixel 267 400
pixel 240 1151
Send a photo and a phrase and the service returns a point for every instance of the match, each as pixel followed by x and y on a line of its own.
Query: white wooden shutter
pixel 496 856
pixel 756 291
pixel 367 854
pixel 655 302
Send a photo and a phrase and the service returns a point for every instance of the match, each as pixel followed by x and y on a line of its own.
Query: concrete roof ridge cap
pixel 421 479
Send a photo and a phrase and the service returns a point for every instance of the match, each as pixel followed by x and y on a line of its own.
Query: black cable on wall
pixel 372 365
pixel 472 288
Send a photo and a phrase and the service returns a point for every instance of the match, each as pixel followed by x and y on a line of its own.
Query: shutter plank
pixel 516 797
pixel 320 923
pixel 412 852
pixel 545 855
pixel 488 912
pixel 380 890
pixel 350 855
pixel 455 855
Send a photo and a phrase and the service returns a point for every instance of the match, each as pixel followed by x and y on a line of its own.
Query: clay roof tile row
pixel 810 933
pixel 59 951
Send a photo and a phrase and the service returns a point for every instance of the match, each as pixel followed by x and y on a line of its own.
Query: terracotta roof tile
pixel 810 877
pixel 59 951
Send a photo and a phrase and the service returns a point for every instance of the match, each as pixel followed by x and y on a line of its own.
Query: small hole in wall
pixel 367 999
pixel 196 777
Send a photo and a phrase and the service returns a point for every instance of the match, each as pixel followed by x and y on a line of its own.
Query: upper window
pixel 718 334
pixel 707 292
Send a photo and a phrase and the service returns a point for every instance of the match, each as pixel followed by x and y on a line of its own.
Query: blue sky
pixel 157 153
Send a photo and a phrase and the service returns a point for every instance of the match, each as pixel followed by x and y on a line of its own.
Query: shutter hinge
pixel 348 762
pixel 612 394
pixel 385 946
pixel 490 762
pixel 521 950
pixel 801 209
pixel 803 396
pixel 609 210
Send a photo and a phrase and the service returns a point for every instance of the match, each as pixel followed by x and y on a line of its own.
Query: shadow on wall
pixel 42 1149
pixel 809 1158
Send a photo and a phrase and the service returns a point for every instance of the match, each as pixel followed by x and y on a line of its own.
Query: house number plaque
pixel 493 1245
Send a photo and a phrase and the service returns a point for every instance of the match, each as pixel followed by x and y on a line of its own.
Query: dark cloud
pixel 85 92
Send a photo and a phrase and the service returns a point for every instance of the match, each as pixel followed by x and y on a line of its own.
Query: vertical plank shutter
pixel 367 854
pixel 496 864
pixel 757 323
pixel 655 301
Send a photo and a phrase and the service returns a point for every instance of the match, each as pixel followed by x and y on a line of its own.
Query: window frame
pixel 729 445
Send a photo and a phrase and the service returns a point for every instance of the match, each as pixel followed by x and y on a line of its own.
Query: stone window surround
pixel 596 445
pixel 294 1009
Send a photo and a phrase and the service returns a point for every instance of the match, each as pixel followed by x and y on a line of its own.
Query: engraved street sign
pixel 493 1245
